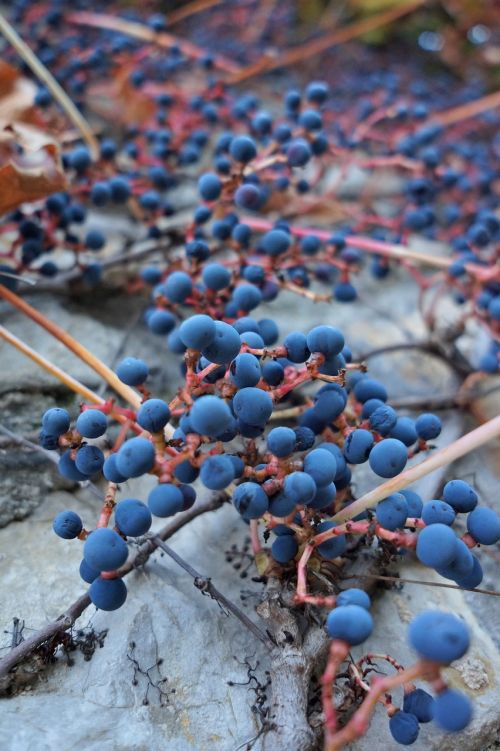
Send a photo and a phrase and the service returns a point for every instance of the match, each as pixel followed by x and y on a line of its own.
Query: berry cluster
pixel 289 480
pixel 438 637
pixel 257 177
pixel 263 161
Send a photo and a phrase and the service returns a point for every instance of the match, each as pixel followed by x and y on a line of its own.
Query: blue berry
pixel 210 416
pixel 217 472
pixel 414 503
pixel 281 505
pixel 284 548
pixel 161 322
pixel 310 120
pixel 351 623
pixel 439 636
pixel 436 546
pixel 324 497
pixel 120 189
pixel 404 728
pixel 298 152
pixel 388 458
pixel 87 573
pixel 67 525
pixel 135 458
pixel 383 419
pixel 326 340
pixel 419 703
pixel 110 471
pixel 300 487
pixel 132 517
pixel 275 242
pixel 153 415
pixel 335 546
pixel 354 596
pixel 452 710
pixel 369 388
pixel 67 468
pixel 483 524
pixel 95 240
pixel 273 373
pixel 253 406
pixel 344 292
pixel 100 193
pixel 473 579
pixel 358 445
pixel 197 332
pixel 296 345
pixel 460 496
pixel 209 186
pixel 438 512
pixel 281 442
pixel 245 370
pixel 132 371
pixel 225 345
pixel 178 286
pixel 105 550
pixel 92 423
pixel 317 92
pixel 250 500
pixel 79 159
pixel 108 594
pixel 243 149
pixel 56 421
pixel 404 431
pixel 89 460
pixel 321 465
pixel 392 512
pixel 428 426
pixel 166 500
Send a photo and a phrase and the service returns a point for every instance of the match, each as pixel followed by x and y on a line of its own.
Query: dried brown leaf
pixel 30 166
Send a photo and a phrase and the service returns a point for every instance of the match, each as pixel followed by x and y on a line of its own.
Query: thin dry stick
pixel 338 36
pixel 464 445
pixel 400 580
pixel 140 31
pixel 65 621
pixel 185 11
pixel 205 585
pixel 470 109
pixel 61 375
pixel 50 82
pixel 78 349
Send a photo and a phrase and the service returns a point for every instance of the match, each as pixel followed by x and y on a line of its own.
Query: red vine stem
pixel 377 247
pixel 359 722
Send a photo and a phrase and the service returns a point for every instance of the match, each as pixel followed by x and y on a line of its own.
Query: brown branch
pixel 185 11
pixel 338 36
pixel 204 584
pixel 65 621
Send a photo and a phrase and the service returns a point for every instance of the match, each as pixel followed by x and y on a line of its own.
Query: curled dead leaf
pixel 30 166
pixel 16 95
